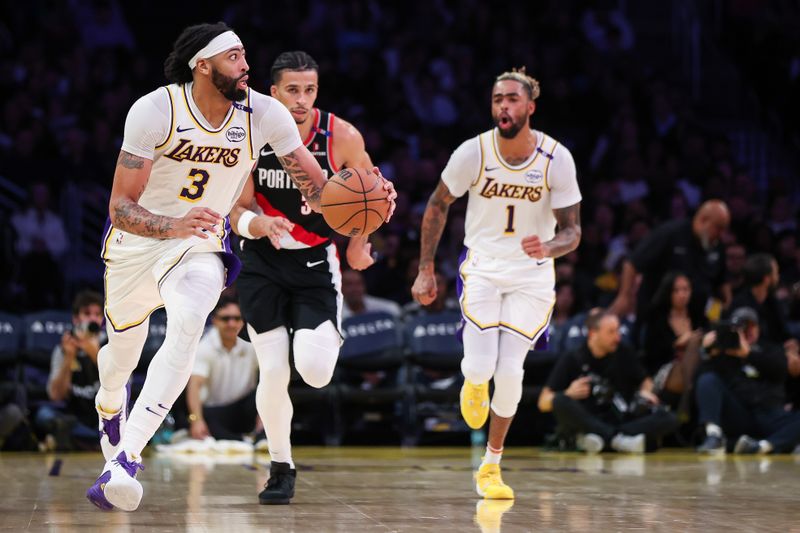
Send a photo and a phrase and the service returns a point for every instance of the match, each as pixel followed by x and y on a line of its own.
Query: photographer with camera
pixel 74 378
pixel 601 394
pixel 740 391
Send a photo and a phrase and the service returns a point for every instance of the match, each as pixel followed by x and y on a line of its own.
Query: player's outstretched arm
pixel 567 238
pixel 433 222
pixel 247 223
pixel 130 180
pixel 304 170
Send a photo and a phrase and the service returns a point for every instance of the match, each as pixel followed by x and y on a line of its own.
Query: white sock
pixel 764 446
pixel 492 456
pixel 713 430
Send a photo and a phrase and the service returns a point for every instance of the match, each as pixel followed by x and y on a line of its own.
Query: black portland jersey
pixel 277 195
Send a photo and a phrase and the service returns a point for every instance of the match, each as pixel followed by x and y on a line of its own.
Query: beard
pixel 512 131
pixel 227 86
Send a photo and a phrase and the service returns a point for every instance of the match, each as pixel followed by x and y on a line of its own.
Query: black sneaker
pixel 713 445
pixel 747 444
pixel 280 485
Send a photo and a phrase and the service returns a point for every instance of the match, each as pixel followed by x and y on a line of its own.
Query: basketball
pixel 354 202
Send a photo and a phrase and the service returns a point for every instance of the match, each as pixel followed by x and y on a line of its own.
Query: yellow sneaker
pixel 475 404
pixel 489 514
pixel 489 483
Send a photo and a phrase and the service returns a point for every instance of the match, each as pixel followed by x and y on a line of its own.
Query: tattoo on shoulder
pixel 301 179
pixel 128 160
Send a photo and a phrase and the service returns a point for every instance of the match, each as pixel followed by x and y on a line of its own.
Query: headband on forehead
pixel 220 43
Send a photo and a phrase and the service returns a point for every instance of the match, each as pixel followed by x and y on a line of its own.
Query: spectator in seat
pixel 221 394
pixel 41 242
pixel 761 278
pixel 672 333
pixel 75 379
pixel 357 301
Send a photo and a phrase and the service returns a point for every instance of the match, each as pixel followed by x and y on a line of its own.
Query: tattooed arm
pixel 567 238
pixel 130 179
pixel 433 221
pixel 305 172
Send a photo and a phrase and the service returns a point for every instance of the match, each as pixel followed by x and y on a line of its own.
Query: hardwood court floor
pixel 424 489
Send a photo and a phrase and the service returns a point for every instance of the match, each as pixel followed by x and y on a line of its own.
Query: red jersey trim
pixel 299 233
pixel 330 144
pixel 313 132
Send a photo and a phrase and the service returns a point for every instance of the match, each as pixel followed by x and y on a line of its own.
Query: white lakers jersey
pixel 195 164
pixel 509 202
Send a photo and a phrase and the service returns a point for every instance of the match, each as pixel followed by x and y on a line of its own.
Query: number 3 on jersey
pixel 194 191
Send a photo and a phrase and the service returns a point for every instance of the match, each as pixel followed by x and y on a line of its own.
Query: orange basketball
pixel 354 202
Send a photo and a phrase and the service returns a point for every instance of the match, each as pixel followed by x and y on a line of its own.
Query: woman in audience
pixel 672 334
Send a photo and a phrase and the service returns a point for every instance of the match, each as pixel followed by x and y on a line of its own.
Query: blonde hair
pixel 518 74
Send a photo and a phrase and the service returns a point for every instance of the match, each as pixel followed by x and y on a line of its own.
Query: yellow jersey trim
pixel 171 120
pixel 503 163
pixel 547 166
pixel 464 310
pixel 225 124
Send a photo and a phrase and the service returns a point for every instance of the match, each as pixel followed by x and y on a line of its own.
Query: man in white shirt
pixel 221 395
pixel 357 301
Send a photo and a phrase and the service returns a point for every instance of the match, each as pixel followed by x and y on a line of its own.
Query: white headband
pixel 220 43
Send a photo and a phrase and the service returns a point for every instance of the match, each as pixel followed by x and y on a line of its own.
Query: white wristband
pixel 244 224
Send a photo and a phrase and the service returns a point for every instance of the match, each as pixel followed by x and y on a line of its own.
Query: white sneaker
pixel 628 443
pixel 117 485
pixel 111 426
pixel 590 443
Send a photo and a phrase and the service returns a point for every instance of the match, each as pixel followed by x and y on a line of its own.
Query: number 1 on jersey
pixel 510 220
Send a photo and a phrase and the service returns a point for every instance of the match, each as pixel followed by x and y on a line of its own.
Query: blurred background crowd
pixel 664 105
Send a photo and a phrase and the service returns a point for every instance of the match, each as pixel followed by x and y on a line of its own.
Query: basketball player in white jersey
pixel 187 151
pixel 523 211
pixel 290 285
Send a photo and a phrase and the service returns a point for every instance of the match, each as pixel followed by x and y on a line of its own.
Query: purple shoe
pixel 117 485
pixel 96 495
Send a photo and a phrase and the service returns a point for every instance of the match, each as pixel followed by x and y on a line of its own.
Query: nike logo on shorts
pixel 309 264
pixel 179 130
pixel 540 263
pixel 267 152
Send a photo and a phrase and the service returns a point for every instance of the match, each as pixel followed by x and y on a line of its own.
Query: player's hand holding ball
pixel 535 248
pixel 357 201
pixel 273 228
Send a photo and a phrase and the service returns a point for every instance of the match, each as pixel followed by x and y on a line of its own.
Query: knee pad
pixel 480 354
pixel 315 353
pixel 121 354
pixel 507 393
pixel 272 351
pixel 508 374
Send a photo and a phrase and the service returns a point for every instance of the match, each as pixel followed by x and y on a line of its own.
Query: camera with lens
pixel 89 327
pixel 601 389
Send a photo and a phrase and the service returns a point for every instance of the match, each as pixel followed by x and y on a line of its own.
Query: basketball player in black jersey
pixel 290 284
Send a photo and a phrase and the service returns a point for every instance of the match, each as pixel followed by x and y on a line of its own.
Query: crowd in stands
pixel 416 83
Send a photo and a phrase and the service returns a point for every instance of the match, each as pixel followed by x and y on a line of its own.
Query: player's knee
pixel 315 353
pixel 272 351
pixel 507 391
